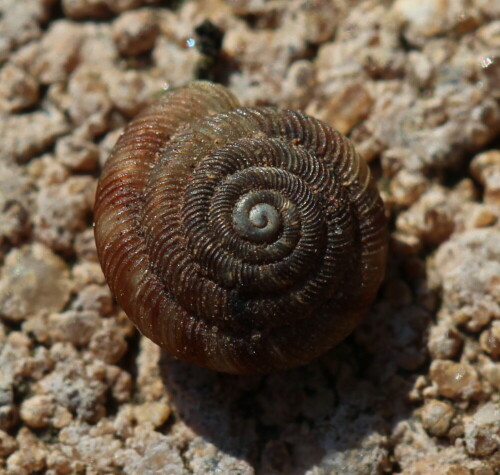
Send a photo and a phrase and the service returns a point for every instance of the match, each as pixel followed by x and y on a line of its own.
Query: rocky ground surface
pixel 415 390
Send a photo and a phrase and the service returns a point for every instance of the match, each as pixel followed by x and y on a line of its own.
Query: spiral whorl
pixel 240 239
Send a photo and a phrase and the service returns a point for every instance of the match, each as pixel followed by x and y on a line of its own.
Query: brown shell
pixel 240 239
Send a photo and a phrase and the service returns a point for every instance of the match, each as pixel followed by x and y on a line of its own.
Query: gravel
pixel 415 390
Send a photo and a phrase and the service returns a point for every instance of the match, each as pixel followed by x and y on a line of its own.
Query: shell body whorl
pixel 244 240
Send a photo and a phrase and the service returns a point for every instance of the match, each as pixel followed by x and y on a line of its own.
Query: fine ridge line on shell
pixel 241 239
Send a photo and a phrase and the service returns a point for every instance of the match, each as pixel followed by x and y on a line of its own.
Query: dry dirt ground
pixel 415 390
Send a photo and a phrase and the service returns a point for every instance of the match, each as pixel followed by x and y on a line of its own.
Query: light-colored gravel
pixel 415 390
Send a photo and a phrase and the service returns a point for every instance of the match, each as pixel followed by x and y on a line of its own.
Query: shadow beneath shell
pixel 337 411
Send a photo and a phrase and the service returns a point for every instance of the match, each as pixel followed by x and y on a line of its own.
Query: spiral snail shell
pixel 242 239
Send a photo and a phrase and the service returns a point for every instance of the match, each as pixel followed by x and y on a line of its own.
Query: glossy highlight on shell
pixel 242 239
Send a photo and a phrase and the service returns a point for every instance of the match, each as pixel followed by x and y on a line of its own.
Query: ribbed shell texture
pixel 245 240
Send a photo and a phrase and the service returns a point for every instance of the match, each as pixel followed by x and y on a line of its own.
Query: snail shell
pixel 240 239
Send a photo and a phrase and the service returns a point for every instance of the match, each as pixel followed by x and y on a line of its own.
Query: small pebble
pixel 26 135
pixel 482 430
pixel 490 340
pixel 34 281
pixel 108 345
pixel 346 109
pixel 436 417
pixel 73 326
pixel 37 411
pixel 63 211
pixel 77 153
pixel 58 53
pixel 7 444
pixel 135 32
pixel 445 342
pixel 18 89
pixel 485 168
pixel 31 456
pixel 155 413
pixel 455 380
pixel 94 298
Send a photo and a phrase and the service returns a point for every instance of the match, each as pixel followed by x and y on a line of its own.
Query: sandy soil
pixel 415 390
